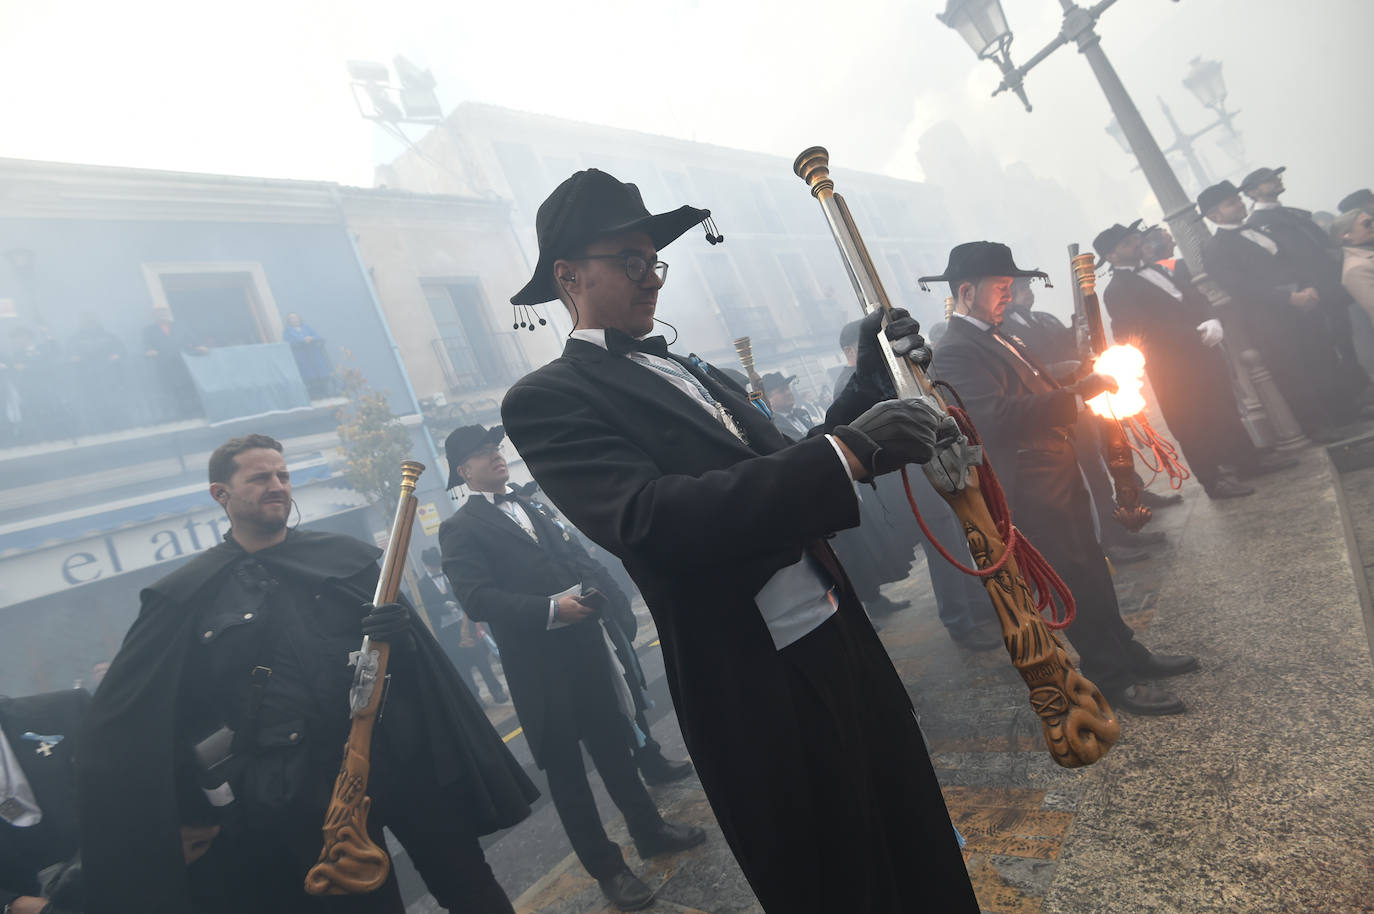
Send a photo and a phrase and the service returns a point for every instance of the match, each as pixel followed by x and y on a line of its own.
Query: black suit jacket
pixel 1316 259
pixel 1018 409
pixel 701 521
pixel 1258 282
pixel 504 578
pixel 52 777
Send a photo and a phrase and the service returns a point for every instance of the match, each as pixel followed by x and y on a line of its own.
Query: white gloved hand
pixel 1211 332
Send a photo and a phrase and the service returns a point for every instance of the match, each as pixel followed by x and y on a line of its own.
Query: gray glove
pixel 892 434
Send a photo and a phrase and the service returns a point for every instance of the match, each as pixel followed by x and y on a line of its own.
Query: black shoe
pixel 627 891
pixel 1267 463
pixel 668 839
pixel 1125 555
pixel 658 770
pixel 1155 500
pixel 979 638
pixel 1162 666
pixel 882 606
pixel 1228 488
pixel 1137 539
pixel 1143 698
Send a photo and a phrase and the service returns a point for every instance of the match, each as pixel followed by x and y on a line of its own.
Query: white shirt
pixel 517 513
pixel 1265 204
pixel 1156 277
pixel 1254 235
pixel 981 325
pixel 18 806
pixel 797 599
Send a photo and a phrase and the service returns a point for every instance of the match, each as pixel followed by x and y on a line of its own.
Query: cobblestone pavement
pixel 1259 799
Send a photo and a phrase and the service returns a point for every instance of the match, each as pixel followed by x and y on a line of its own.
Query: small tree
pixel 374 440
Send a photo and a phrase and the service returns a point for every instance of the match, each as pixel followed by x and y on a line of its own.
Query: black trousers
pixel 590 717
pixel 1053 509
pixel 477 658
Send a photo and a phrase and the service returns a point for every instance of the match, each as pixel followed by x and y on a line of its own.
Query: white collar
pixel 1264 204
pixel 981 325
pixel 595 337
pixel 491 496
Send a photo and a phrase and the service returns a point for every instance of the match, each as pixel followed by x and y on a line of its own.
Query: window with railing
pixel 472 355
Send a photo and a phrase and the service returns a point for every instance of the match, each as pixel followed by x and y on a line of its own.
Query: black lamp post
pixel 983 25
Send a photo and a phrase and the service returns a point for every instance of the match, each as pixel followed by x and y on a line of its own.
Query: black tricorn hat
pixel 776 380
pixel 431 556
pixel 1107 239
pixel 589 205
pixel 1259 176
pixel 1357 200
pixel 1209 198
pixel 976 259
pixel 462 443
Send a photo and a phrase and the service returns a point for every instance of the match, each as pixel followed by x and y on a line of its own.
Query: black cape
pixel 126 773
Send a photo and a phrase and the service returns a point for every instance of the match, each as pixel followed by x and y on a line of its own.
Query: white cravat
pixel 1258 238
pixel 1155 277
pixel 18 805
pixel 796 599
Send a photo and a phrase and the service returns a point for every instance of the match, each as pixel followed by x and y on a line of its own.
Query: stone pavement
pixel 1259 799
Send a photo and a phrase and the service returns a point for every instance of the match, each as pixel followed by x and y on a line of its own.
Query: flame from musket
pixel 1126 365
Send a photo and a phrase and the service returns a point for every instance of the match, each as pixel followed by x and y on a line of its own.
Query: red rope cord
pixel 1049 589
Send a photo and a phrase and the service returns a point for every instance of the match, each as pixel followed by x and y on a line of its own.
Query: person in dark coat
pixel 458 635
pixel 228 705
pixel 39 736
pixel 312 359
pixel 874 553
pixel 1317 260
pixel 803 735
pixel 1163 313
pixel 165 342
pixel 1025 418
pixel 547 604
pixel 99 362
pixel 1272 310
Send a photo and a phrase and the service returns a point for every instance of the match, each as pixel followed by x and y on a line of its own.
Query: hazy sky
pixel 258 87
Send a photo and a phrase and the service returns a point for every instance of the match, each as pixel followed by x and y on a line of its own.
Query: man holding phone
pixel 544 598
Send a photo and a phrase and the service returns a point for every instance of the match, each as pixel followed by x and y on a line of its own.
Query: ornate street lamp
pixel 1205 81
pixel 983 24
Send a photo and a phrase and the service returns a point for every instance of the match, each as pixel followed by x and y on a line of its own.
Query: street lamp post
pixel 983 25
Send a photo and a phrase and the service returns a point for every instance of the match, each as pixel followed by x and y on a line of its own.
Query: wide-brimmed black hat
pixel 1357 200
pixel 431 556
pixel 590 205
pixel 1259 176
pixel 1213 195
pixel 1107 239
pixel 776 380
pixel 462 443
pixel 976 259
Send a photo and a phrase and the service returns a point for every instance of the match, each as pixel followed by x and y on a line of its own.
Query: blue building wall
pixel 80 265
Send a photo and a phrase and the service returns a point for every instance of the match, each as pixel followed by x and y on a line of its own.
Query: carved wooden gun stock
pixel 1078 725
pixel 350 863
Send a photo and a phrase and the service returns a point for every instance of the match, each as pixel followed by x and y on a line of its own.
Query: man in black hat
pixel 1163 313
pixel 803 734
pixel 1318 261
pixel 547 602
pixel 1274 311
pixel 228 704
pixel 1026 419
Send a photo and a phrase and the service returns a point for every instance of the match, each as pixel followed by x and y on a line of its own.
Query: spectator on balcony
pixel 164 343
pixel 98 360
pixel 312 359
pixel 35 408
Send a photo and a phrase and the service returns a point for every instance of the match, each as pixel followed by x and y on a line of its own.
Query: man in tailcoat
pixel 1162 312
pixel 802 733
pixel 546 602
pixel 1275 311
pixel 1025 418
pixel 228 705
pixel 1317 259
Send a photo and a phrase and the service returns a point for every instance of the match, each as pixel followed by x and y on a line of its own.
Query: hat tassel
pixel 713 235
pixel 525 317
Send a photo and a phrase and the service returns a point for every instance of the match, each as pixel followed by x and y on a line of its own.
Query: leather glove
pixel 1093 385
pixel 1211 332
pixel 892 434
pixel 389 622
pixel 903 332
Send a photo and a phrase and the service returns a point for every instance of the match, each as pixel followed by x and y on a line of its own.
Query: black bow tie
pixel 499 497
pixel 618 343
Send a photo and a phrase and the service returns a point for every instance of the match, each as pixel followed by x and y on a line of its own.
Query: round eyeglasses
pixel 636 267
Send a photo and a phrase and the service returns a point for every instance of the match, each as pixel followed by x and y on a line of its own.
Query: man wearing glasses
pixel 801 731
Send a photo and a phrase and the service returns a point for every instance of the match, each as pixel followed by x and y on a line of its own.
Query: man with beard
pixel 1025 418
pixel 228 705
pixel 1318 263
pixel 802 733
pixel 1164 314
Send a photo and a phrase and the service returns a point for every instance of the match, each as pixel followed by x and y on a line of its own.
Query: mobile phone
pixel 593 598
